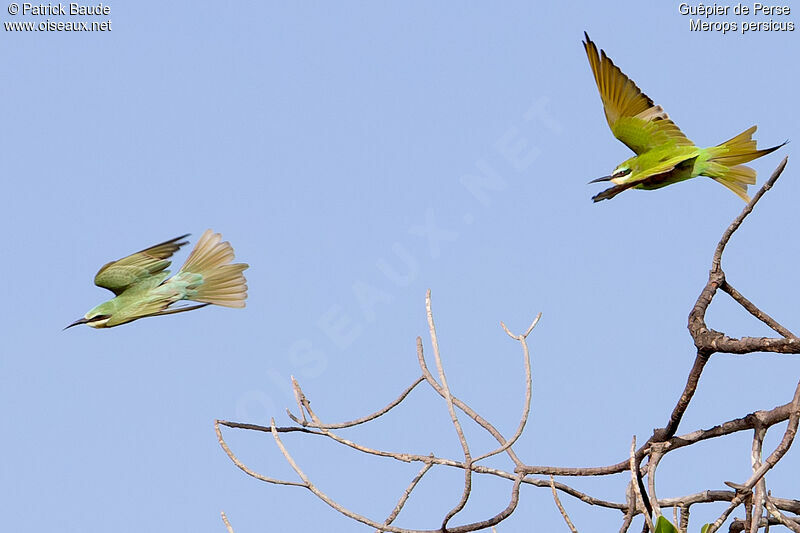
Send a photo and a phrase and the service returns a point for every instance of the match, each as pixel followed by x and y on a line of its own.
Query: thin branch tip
pixel 533 324
pixel 527 331
pixel 225 521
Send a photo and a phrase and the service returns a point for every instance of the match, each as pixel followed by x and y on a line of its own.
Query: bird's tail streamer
pixel 726 162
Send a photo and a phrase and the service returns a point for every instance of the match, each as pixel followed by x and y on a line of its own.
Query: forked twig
pixel 664 440
pixel 755 311
pixel 709 341
pixel 485 424
pixel 244 468
pixel 744 489
pixel 523 340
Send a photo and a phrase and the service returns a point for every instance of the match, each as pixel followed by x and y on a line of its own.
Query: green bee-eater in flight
pixel 663 153
pixel 142 288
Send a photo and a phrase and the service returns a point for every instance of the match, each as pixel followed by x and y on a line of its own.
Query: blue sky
pixel 327 142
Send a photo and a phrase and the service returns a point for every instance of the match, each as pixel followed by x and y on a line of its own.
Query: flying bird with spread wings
pixel 663 153
pixel 143 287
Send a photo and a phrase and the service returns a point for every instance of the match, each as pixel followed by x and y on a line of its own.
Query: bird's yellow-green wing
pixel 147 308
pixel 632 116
pixel 117 276
pixel 136 308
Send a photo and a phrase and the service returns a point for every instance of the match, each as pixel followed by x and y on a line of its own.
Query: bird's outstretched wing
pixel 147 309
pixel 632 116
pixel 117 276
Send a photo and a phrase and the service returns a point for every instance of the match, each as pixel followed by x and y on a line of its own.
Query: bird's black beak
pixel 77 323
pixel 604 178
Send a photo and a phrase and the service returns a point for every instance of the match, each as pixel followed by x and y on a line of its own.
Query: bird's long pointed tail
pixel 222 281
pixel 725 164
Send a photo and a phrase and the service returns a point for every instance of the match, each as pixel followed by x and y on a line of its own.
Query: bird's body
pixel 143 287
pixel 664 155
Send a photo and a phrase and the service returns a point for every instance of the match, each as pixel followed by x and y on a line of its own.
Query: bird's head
pixel 96 318
pixel 616 177
pixel 620 172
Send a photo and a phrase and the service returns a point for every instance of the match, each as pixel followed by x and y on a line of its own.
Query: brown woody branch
pixel 664 440
pixel 709 341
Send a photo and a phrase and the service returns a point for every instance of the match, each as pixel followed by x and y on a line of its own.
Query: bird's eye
pixel 99 317
pixel 620 173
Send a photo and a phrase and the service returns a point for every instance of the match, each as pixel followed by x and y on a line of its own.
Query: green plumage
pixel 143 287
pixel 664 155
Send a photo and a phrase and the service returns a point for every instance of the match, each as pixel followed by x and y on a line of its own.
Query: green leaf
pixel 665 526
pixel 705 528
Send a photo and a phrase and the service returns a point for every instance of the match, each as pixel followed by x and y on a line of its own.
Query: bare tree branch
pixel 755 311
pixel 635 482
pixel 710 341
pixel 784 445
pixel 739 525
pixel 453 416
pixel 761 487
pixel 769 418
pixel 646 459
pixel 528 389
pixel 380 412
pixel 683 527
pixel 244 468
pixel 303 421
pixel 406 494
pixel 744 489
pixel 656 453
pixel 715 264
pixel 794 525
pixel 561 509
pixel 386 527
pixel 485 424
pixel 630 511
pixel 225 521
pixel 686 396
